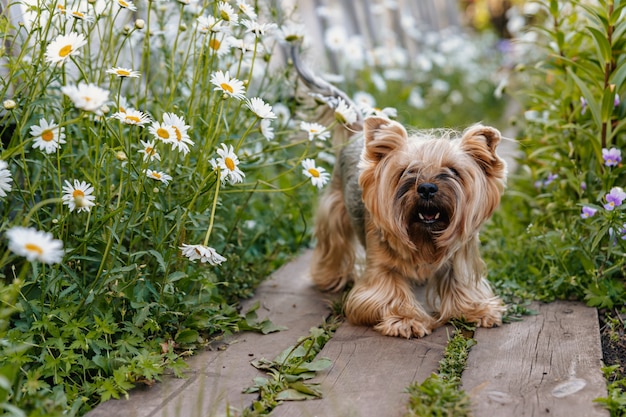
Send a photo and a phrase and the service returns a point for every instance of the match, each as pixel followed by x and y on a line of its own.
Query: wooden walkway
pixel 545 365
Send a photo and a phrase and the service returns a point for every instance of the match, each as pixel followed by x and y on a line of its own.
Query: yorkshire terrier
pixel 415 203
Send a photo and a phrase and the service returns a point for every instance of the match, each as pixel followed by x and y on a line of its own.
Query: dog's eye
pixel 454 172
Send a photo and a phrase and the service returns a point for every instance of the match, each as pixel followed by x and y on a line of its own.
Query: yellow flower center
pixel 122 3
pixel 230 164
pixel 78 15
pixel 132 119
pixel 65 51
pixel 179 135
pixel 215 44
pixel 47 135
pixel 122 72
pixel 313 130
pixel 163 133
pixel 156 175
pixel 31 247
pixel 227 87
pixel 225 16
pixel 150 150
pixel 78 194
pixel 314 172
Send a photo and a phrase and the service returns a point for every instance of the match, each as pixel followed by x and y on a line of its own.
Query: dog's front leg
pixel 384 299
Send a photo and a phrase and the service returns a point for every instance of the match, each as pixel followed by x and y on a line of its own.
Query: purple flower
pixel 583 186
pixel 616 101
pixel 588 212
pixel 583 102
pixel 622 231
pixel 614 198
pixel 612 157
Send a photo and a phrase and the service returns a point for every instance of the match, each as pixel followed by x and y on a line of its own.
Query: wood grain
pixel 546 365
pixel 369 374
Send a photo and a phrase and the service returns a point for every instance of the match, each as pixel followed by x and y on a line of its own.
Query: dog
pixel 415 203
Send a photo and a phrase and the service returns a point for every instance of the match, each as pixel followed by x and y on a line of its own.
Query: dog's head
pixel 430 193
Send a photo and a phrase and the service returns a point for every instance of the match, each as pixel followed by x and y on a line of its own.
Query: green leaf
pixel 592 103
pixel 317 365
pixel 187 336
pixel 602 45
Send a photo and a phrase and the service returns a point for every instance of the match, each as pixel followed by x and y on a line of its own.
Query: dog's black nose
pixel 427 190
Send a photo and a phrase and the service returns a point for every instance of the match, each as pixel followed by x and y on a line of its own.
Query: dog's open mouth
pixel 430 216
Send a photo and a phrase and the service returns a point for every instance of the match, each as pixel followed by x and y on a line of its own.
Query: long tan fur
pixel 415 203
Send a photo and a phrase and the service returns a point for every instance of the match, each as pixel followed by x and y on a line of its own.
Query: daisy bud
pixel 9 104
pixel 127 28
pixel 121 156
pixel 140 23
pixel 155 190
pixel 104 109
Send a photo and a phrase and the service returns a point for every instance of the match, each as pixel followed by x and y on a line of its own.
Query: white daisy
pixel 35 245
pixel 260 108
pixel 181 140
pixel 48 136
pixel 315 130
pixel 219 44
pixel 344 113
pixel 132 117
pixel 123 72
pixel 127 4
pixel 78 196
pixel 207 24
pixel 336 38
pixel 159 176
pixel 206 254
pixel 318 175
pixel 5 178
pixel 258 29
pixel 226 12
pixel 228 164
pixel 266 129
pixel 64 46
pixel 163 132
pixel 230 86
pixel 291 32
pixel 246 9
pixel 78 15
pixel 149 151
pixel 88 97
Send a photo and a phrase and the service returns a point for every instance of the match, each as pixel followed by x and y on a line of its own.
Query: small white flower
pixel 123 72
pixel 132 117
pixel 260 108
pixel 266 129
pixel 344 113
pixel 159 176
pixel 206 254
pixel 163 132
pixel 78 196
pixel 227 13
pixel 149 151
pixel 79 15
pixel 246 9
pixel 127 4
pixel 319 177
pixel 64 46
pixel 336 38
pixel 230 86
pixel 88 97
pixel 5 178
pixel 48 136
pixel 258 29
pixel 228 164
pixel 207 24
pixel 181 140
pixel 220 44
pixel 35 245
pixel 315 130
pixel 290 33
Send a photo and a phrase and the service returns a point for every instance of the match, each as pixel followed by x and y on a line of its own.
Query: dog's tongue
pixel 429 217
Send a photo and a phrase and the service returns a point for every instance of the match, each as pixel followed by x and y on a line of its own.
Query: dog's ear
pixel 480 143
pixel 381 137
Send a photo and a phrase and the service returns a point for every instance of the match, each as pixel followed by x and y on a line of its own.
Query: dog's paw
pixel 488 317
pixel 406 327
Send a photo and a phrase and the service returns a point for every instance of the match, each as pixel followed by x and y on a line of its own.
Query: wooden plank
pixel 217 377
pixel 545 365
pixel 369 374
